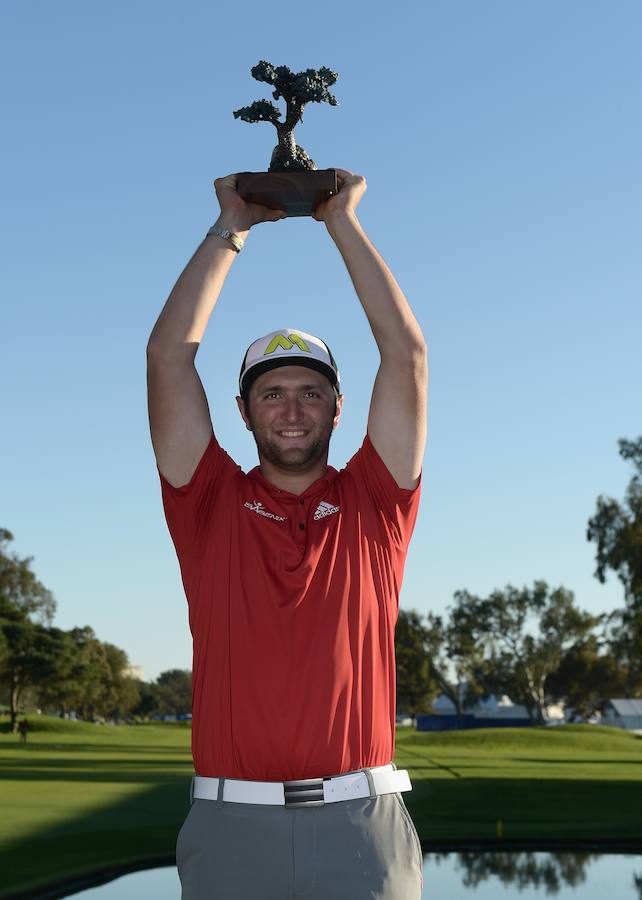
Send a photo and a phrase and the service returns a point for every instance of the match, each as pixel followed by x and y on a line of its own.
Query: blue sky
pixel 501 144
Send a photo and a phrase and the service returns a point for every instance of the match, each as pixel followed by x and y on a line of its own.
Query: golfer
pixel 292 573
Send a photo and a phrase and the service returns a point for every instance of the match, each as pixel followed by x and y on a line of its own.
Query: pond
pixel 457 876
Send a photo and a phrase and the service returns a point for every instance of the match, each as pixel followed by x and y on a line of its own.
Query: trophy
pixel 292 183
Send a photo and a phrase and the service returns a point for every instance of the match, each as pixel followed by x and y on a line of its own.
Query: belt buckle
pixel 305 792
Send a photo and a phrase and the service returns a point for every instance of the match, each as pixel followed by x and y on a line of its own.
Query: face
pixel 292 415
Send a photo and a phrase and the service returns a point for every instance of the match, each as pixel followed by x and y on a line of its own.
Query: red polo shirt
pixel 293 602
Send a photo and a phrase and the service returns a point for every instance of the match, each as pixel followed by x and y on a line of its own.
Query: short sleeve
pixel 398 507
pixel 188 508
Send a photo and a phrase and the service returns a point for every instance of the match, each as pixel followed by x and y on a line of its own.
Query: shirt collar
pixel 318 486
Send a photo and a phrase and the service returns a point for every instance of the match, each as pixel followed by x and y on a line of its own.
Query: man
pixel 292 574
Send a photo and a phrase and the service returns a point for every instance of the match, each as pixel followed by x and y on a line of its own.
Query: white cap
pixel 287 347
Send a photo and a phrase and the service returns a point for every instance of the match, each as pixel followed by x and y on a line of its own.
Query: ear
pixel 335 421
pixel 241 405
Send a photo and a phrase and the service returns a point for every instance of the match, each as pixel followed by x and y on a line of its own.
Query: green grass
pixel 79 797
pixel 574 782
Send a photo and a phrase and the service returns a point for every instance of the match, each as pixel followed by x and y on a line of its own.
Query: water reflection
pixel 458 876
pixel 547 872
pixel 564 874
pixel 150 884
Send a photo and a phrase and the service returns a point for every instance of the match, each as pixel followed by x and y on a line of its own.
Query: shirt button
pixel 301 525
pixel 301 502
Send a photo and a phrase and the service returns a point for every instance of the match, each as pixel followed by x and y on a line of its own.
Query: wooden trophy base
pixel 297 193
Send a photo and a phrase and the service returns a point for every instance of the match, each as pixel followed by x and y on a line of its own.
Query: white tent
pixel 624 714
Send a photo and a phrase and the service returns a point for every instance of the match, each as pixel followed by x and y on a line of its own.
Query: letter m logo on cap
pixel 286 343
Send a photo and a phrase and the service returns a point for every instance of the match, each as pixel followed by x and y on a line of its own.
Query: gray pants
pixel 352 850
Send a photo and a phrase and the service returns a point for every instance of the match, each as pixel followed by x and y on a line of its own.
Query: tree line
pixel 59 671
pixel 534 644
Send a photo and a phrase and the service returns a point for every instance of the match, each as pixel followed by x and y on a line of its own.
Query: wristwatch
pixel 230 236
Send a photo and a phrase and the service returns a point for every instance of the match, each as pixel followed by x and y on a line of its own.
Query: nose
pixel 293 409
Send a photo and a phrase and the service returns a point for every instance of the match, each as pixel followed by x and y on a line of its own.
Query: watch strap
pixel 236 241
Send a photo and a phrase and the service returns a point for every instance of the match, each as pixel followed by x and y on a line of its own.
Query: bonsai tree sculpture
pixel 297 89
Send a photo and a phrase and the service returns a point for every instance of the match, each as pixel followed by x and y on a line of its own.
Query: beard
pixel 298 458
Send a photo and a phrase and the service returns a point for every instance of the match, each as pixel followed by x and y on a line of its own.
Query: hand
pixel 351 189
pixel 236 214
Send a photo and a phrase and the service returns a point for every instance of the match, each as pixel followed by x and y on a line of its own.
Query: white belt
pixel 307 791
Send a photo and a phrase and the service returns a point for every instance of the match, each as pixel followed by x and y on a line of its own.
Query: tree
pixel 455 655
pixel 60 668
pixel 297 89
pixel 24 653
pixel 586 678
pixel 58 690
pixel 175 692
pixel 170 694
pixel 149 700
pixel 622 630
pixel 617 532
pixel 416 689
pixel 121 692
pixel 523 660
pixel 22 596
pixel 4 648
pixel 29 661
pixel 91 675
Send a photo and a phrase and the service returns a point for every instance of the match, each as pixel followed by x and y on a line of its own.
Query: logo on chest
pixel 325 509
pixel 257 507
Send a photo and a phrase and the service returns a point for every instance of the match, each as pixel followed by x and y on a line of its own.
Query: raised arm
pixel 397 421
pixel 179 416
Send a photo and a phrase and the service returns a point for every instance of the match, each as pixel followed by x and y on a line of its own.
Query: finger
pixel 274 215
pixel 344 173
pixel 229 181
pixel 349 180
pixel 319 210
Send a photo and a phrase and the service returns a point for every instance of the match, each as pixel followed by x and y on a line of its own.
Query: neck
pixel 293 482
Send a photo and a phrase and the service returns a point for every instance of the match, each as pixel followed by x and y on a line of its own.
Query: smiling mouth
pixel 292 434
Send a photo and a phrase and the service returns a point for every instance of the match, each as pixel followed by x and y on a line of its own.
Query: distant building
pixel 134 672
pixel 624 714
pixel 492 707
pixel 555 713
pixel 492 712
pixel 443 706
pixel 502 708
